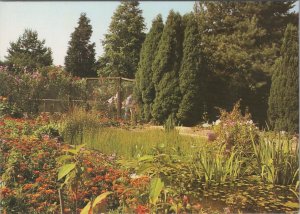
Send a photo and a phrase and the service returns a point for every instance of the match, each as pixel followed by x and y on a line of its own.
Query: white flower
pixel 218 121
pixel 249 122
pixel 283 132
pixel 134 176
pixel 206 125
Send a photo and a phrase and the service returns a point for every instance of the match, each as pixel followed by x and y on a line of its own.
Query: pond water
pixel 247 196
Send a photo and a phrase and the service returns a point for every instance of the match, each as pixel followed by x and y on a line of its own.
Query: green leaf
pixel 145 168
pixel 76 150
pixel 97 200
pixel 86 209
pixel 146 158
pixel 291 204
pixel 65 169
pixel 100 198
pixel 63 158
pixel 156 186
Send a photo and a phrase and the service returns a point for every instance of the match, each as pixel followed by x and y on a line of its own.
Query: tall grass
pixel 277 159
pixel 136 143
pixel 74 125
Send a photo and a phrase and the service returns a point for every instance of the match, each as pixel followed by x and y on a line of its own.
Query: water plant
pixel 217 166
pixel 277 159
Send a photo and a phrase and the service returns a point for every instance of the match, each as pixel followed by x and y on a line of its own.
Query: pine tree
pixel 144 88
pixel 241 49
pixel 166 67
pixel 29 52
pixel 283 109
pixel 192 76
pixel 80 59
pixel 122 44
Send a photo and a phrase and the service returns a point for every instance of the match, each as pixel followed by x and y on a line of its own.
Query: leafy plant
pixel 71 170
pixel 217 166
pixel 236 129
pixel 277 159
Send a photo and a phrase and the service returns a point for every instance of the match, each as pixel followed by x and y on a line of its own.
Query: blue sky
pixel 55 21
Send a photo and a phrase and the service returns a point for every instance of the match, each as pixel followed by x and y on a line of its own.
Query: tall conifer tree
pixel 123 42
pixel 283 109
pixel 29 52
pixel 166 69
pixel 192 75
pixel 80 59
pixel 144 88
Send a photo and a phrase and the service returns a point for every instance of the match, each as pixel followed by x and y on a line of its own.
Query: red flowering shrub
pixel 29 170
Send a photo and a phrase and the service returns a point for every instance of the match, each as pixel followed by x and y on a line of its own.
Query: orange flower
pixel 142 209
pixel 5 191
pixel 27 186
pixel 89 170
pixel 94 188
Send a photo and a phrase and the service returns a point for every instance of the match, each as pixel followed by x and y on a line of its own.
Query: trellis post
pixel 119 97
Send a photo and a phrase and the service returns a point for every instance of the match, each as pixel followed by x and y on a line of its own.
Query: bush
pixel 236 129
pixel 23 89
pixel 7 109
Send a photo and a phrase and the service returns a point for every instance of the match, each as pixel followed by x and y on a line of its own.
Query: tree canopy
pixel 122 44
pixel 80 59
pixel 166 67
pixel 144 89
pixel 28 52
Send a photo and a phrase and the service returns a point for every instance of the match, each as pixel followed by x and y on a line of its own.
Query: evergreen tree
pixel 144 89
pixel 29 52
pixel 191 76
pixel 241 49
pixel 166 67
pixel 122 44
pixel 80 59
pixel 283 109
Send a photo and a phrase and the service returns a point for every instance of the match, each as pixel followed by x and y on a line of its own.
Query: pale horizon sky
pixel 55 21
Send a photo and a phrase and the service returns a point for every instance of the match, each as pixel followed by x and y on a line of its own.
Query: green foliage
pixel 283 109
pixel 22 89
pixel 80 59
pixel 156 186
pixel 217 166
pixel 191 75
pixel 122 44
pixel 131 144
pixel 241 49
pixel 277 159
pixel 166 67
pixel 8 109
pixel 91 205
pixel 144 88
pixel 50 130
pixel 236 129
pixel 28 52
pixel 76 124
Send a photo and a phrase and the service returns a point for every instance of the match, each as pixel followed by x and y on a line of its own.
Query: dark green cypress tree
pixel 123 42
pixel 283 109
pixel 80 59
pixel 191 75
pixel 144 88
pixel 166 67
